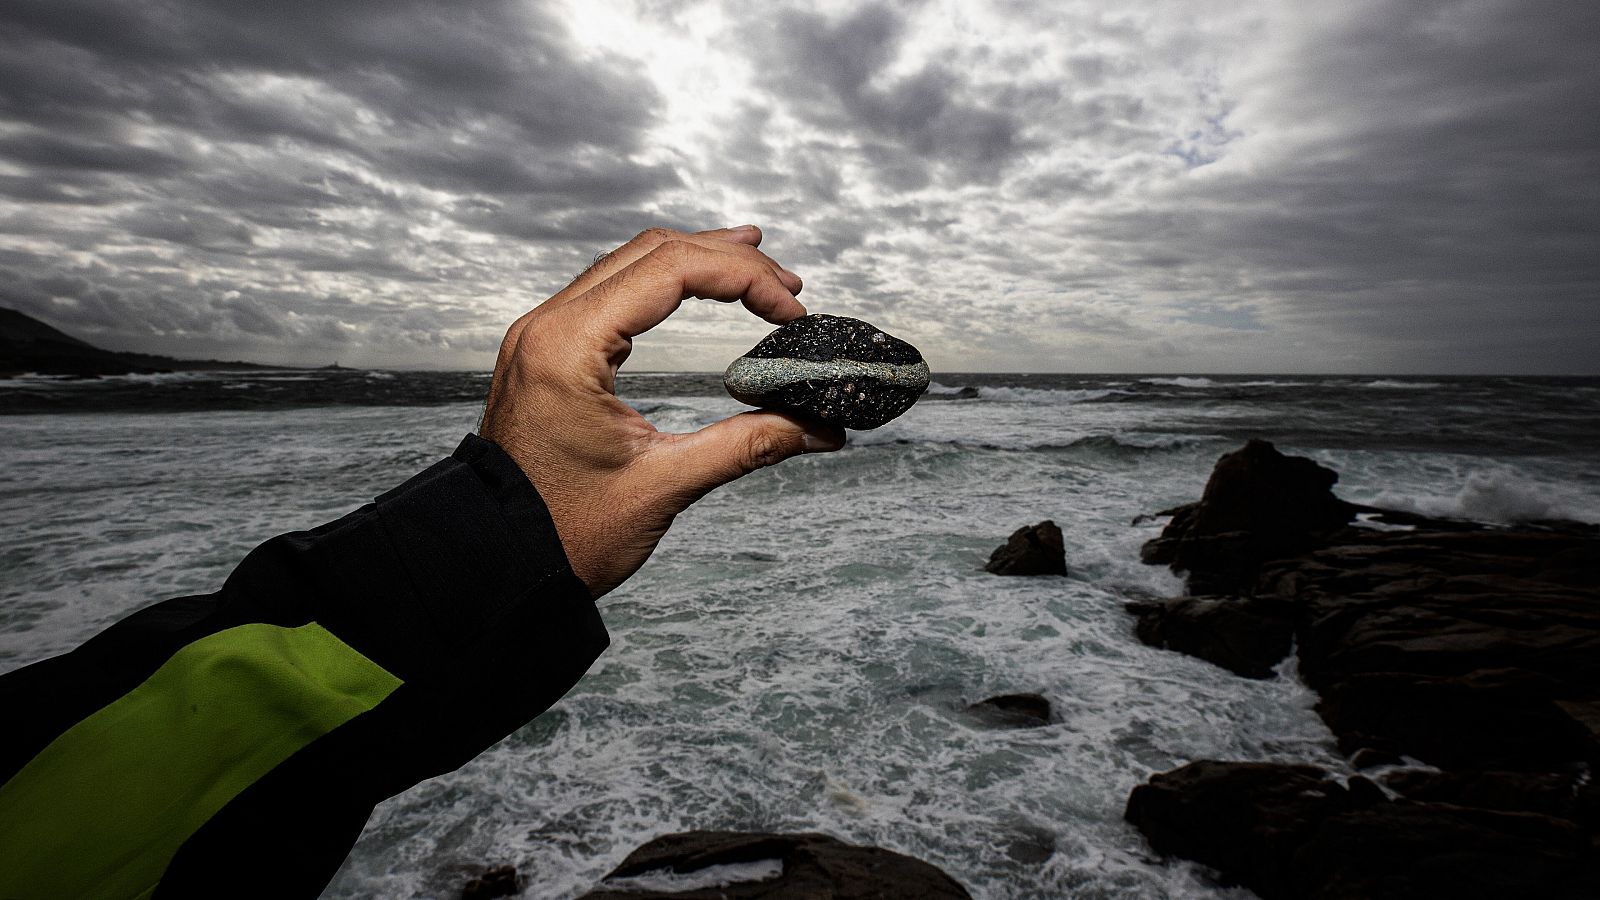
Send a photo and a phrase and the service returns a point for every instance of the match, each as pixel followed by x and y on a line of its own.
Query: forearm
pixel 335 668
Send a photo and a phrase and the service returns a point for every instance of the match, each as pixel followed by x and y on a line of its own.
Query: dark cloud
pixel 1444 195
pixel 919 125
pixel 1381 184
pixel 282 143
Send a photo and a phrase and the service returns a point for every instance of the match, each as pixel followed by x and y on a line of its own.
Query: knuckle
pixel 654 236
pixel 671 254
pixel 762 450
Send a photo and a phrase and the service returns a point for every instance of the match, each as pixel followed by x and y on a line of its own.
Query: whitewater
pixel 799 653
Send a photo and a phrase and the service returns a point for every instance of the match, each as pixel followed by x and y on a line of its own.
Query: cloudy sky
pixel 1085 185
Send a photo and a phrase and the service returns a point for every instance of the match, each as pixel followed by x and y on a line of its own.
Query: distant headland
pixel 29 345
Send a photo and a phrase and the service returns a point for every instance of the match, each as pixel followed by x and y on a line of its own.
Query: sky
pixel 1384 186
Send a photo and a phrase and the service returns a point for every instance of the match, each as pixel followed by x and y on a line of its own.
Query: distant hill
pixel 29 345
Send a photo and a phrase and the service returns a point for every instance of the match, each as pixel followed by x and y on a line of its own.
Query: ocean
pixel 799 652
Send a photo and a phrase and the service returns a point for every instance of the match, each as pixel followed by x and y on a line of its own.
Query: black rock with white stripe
pixel 834 368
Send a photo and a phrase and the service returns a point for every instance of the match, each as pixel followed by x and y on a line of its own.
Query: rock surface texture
pixel 1013 711
pixel 834 368
pixel 814 867
pixel 1031 550
pixel 1471 648
pixel 1294 832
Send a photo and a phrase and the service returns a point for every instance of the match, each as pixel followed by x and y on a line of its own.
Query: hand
pixel 612 481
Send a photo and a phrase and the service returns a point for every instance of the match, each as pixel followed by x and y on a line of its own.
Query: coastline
pixel 1455 662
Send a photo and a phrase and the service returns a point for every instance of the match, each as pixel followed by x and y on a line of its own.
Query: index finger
pixel 743 240
pixel 642 295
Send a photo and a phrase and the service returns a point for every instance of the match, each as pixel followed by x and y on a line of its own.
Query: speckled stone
pixel 841 370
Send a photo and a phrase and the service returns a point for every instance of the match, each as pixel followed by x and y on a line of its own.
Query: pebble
pixel 834 368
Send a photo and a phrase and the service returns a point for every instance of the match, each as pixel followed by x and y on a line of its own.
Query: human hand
pixel 614 483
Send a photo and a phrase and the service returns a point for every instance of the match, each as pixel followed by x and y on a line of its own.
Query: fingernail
pixel 744 228
pixel 820 443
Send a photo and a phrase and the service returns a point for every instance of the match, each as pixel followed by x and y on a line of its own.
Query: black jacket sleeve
pixel 454 587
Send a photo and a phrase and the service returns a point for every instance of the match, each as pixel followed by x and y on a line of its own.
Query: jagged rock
pixel 1368 758
pixel 1013 710
pixel 834 368
pixel 500 881
pixel 814 867
pixel 1031 550
pixel 1257 505
pixel 1246 637
pixel 1290 832
pixel 1472 648
pixel 1565 795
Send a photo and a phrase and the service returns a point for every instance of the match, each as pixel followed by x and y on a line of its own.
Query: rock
pixel 1031 550
pixel 1368 758
pixel 1243 819
pixel 1456 644
pixel 1246 637
pixel 814 867
pixel 1562 795
pixel 500 881
pixel 1029 843
pixel 833 368
pixel 1258 505
pixel 1289 832
pixel 1013 710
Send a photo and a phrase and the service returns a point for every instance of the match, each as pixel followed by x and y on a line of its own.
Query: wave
pixel 1391 384
pixel 1045 395
pixel 1496 496
pixel 1122 443
pixel 1180 381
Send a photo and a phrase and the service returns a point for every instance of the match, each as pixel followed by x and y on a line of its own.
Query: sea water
pixel 799 653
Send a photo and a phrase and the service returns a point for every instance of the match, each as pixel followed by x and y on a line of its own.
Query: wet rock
pixel 1290 832
pixel 1029 843
pixel 1472 648
pixel 810 867
pixel 1566 795
pixel 1246 637
pixel 834 368
pixel 500 881
pixel 1031 550
pixel 1258 505
pixel 1013 710
pixel 1368 758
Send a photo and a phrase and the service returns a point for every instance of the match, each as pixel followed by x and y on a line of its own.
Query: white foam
pixel 1180 381
pixel 1044 395
pixel 709 878
pixel 1397 385
pixel 1496 495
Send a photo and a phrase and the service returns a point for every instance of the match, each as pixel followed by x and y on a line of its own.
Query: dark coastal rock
pixel 1243 819
pixel 1368 758
pixel 500 881
pixel 1291 832
pixel 834 368
pixel 1468 647
pixel 1031 550
pixel 815 867
pixel 1246 637
pixel 1258 505
pixel 1564 795
pixel 1457 644
pixel 1013 710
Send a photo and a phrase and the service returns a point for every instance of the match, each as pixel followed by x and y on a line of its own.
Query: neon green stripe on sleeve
pixel 102 810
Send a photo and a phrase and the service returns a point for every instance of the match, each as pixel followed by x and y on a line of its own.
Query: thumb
pixel 701 461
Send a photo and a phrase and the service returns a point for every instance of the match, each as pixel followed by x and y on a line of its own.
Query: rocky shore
pixel 1458 662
